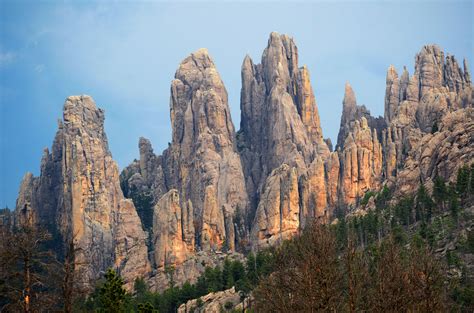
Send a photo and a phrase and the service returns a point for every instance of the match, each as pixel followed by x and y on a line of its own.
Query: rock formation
pixel 278 213
pixel 280 130
pixel 214 302
pixel 198 187
pixel 361 162
pixel 213 192
pixel 173 230
pixel 202 162
pixel 352 112
pixel 78 195
pixel 416 106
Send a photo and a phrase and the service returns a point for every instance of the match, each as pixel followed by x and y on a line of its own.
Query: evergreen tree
pixel 146 308
pixel 439 191
pixel 112 295
pixel 341 231
pixel 238 271
pixel 424 204
pixel 462 181
pixel 434 128
pixel 143 202
pixel 141 289
pixel 227 276
pixel 471 181
pixel 453 202
pixel 252 269
pixel 187 292
pixel 201 286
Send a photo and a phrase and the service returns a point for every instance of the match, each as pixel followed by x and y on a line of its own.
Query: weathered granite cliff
pixel 214 192
pixel 78 196
pixel 281 134
pixel 430 121
pixel 197 184
pixel 202 162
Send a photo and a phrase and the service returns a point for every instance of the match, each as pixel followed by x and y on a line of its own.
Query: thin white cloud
pixel 39 68
pixel 6 58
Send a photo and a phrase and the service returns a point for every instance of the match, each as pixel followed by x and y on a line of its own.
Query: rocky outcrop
pixel 439 154
pixel 213 191
pixel 351 112
pixel 78 193
pixel 415 106
pixel 190 269
pixel 25 213
pixel 173 230
pixel 280 121
pixel 360 153
pixel 278 213
pixel 199 197
pixel 214 302
pixel 361 162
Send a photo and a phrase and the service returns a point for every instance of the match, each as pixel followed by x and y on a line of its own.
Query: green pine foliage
pixel 110 296
pixel 143 202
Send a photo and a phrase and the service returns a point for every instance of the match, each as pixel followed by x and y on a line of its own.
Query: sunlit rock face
pixel 78 195
pixel 359 150
pixel 173 230
pixel 361 162
pixel 351 112
pixel 415 142
pixel 277 217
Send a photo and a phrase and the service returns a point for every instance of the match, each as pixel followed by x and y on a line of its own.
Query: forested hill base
pixel 383 222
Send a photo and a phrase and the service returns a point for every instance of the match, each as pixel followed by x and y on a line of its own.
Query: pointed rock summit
pixel 78 195
pixel 280 126
pixel 202 162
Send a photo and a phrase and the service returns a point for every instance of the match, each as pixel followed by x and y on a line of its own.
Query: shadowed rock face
pixel 79 195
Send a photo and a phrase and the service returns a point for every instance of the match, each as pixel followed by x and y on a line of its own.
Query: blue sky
pixel 125 54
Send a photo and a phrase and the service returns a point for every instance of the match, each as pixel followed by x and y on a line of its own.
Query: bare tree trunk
pixel 27 280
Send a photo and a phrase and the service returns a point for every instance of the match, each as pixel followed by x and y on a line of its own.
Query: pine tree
pixel 227 277
pixel 424 204
pixel 112 294
pixel 252 269
pixel 440 192
pixel 29 273
pixel 453 202
pixel 471 181
pixel 462 181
